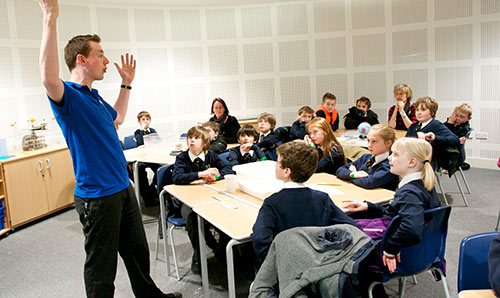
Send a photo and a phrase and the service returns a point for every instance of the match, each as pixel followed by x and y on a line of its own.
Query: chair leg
pixel 445 285
pixel 441 189
pixel 402 282
pixel 370 288
pixel 461 190
pixel 163 223
pixel 157 240
pixel 174 254
pixel 414 277
pixel 465 181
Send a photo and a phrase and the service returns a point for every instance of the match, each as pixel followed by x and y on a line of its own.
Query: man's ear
pixel 80 59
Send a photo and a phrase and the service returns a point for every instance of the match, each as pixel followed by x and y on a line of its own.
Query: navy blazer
pixel 185 171
pixel 139 135
pixel 235 157
pixel 290 208
pixel 331 162
pixel 444 136
pixel 298 130
pixel 409 203
pixel 380 174
pixel 268 142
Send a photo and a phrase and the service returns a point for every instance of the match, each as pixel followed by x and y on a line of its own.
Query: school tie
pixel 261 138
pixel 247 157
pixel 370 162
pixel 198 162
pixel 419 126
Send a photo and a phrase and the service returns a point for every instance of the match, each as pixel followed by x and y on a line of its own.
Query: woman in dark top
pixel 229 125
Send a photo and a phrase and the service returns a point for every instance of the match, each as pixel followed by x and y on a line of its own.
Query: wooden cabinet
pixel 38 183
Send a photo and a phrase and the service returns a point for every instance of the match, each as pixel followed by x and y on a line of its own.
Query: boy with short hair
pixel 431 129
pixel 298 130
pixel 267 139
pixel 295 205
pixel 248 151
pixel 144 119
pixel 328 111
pixel 217 142
pixel 198 162
pixel 458 123
pixel 360 113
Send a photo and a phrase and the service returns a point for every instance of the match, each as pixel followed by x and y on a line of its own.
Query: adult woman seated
pixel 229 125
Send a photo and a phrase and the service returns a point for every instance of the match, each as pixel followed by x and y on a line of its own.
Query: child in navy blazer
pixel 217 142
pixel 458 123
pixel 372 170
pixel 331 154
pixel 248 151
pixel 298 130
pixel 295 205
pixel 198 163
pixel 430 129
pixel 410 159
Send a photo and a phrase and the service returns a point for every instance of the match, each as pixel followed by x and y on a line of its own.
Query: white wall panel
pixel 295 91
pixel 153 64
pixel 450 9
pixel 258 57
pixel 371 85
pixel 221 23
pixel 260 93
pixel 454 84
pixel 368 49
pixel 333 83
pixel 38 107
pixel 490 86
pixel 489 124
pixel 30 72
pixel 331 53
pixel 256 21
pixel 408 11
pixel 191 98
pixel 188 62
pixel 74 20
pixel 156 101
pixel 329 16
pixel 294 55
pixel 28 14
pixel 4 20
pixel 9 112
pixel 150 25
pixel 7 79
pixel 185 24
pixel 287 118
pixel 490 39
pixel 409 46
pixel 223 60
pixel 112 24
pixel 292 19
pixel 367 14
pixel 490 6
pixel 454 42
pixel 229 91
pixel 114 56
pixel 416 78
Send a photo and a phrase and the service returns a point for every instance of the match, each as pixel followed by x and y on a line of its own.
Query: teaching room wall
pixel 273 57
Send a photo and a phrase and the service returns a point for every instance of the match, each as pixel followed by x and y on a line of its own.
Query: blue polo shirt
pixel 86 121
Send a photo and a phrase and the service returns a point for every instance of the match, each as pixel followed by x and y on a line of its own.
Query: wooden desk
pixel 477 294
pixel 236 218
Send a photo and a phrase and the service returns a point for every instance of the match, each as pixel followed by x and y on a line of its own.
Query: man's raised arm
pixel 49 62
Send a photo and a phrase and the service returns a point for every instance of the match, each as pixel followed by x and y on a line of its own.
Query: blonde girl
pixel 330 151
pixel 372 170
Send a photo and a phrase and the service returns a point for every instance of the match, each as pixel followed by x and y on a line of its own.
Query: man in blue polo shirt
pixel 104 199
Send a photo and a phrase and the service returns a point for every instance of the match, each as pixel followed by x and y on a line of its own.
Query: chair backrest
pixel 164 176
pixel 283 133
pixel 473 262
pixel 224 156
pixel 429 252
pixel 129 142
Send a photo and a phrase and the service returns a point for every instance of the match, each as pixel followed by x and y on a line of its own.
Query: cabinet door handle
pixel 48 163
pixel 41 166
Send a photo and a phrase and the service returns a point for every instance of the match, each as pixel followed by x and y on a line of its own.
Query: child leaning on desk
pixel 295 205
pixel 331 154
pixel 198 162
pixel 298 130
pixel 247 151
pixel 372 170
pixel 410 159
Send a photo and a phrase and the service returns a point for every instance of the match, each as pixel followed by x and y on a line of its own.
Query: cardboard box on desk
pixel 258 178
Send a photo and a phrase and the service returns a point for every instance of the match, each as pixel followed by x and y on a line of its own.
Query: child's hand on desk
pixel 391 263
pixel 355 206
pixel 352 168
pixel 209 175
pixel 246 146
pixel 360 174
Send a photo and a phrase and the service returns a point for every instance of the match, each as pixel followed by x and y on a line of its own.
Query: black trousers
pixel 112 225
pixel 148 191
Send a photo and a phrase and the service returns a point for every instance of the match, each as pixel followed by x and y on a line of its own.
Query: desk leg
pixel 203 257
pixel 136 184
pixel 230 266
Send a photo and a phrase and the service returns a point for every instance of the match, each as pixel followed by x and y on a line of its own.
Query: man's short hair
pixel 78 45
pixel 248 130
pixel 143 114
pixel 328 95
pixel 200 131
pixel 428 102
pixel 301 159
pixel 213 125
pixel 268 117
pixel 306 110
pixel 366 100
pixel 464 108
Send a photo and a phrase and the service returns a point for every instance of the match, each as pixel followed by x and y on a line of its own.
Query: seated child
pixel 372 170
pixel 295 205
pixel 431 129
pixel 458 123
pixel 148 191
pixel 267 138
pixel 198 162
pixel 360 113
pixel 331 154
pixel 494 265
pixel 410 159
pixel 328 111
pixel 402 114
pixel 298 130
pixel 217 142
pixel 247 151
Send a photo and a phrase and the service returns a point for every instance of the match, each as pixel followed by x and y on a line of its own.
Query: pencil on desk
pixel 330 184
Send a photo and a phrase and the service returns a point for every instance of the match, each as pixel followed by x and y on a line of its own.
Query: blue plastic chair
pixel 164 177
pixel 129 142
pixel 473 262
pixel 428 254
pixel 224 156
